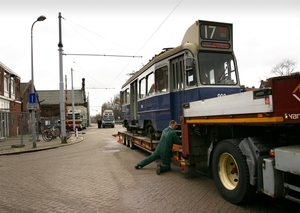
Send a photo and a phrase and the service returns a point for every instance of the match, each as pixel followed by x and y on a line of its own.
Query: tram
pixel 203 66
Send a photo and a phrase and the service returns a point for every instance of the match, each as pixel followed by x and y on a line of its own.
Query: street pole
pixel 73 114
pixel 62 105
pixel 41 18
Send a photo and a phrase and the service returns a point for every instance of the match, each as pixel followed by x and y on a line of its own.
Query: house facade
pixel 15 118
pixel 10 102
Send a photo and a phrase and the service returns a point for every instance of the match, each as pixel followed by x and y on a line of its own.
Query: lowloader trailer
pixel 248 142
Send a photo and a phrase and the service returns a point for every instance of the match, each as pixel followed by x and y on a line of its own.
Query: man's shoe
pixel 158 169
pixel 137 166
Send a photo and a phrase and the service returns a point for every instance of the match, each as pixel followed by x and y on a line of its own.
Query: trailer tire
pixel 124 139
pixel 131 144
pixel 230 172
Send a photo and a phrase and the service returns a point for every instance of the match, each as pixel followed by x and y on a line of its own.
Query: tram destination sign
pixel 215 35
pixel 213 32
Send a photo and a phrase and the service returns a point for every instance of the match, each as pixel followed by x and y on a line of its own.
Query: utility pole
pixel 73 114
pixel 61 86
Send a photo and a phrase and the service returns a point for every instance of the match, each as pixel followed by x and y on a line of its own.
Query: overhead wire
pixel 70 24
pixel 98 35
pixel 67 21
pixel 89 74
pixel 120 45
pixel 148 40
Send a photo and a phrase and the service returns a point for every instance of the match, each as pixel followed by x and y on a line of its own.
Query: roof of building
pixel 25 87
pixel 53 96
pixel 8 69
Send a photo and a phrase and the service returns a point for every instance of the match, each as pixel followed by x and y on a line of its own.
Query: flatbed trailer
pixel 249 142
pixel 134 140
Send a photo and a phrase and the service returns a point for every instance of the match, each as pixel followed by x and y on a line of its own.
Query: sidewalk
pixel 14 145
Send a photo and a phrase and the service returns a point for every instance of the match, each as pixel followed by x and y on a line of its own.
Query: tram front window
pixel 217 68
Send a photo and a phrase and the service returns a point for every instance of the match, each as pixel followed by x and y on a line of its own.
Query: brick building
pixel 10 102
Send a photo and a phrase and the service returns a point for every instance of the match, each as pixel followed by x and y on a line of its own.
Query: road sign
pixel 32 97
pixel 32 106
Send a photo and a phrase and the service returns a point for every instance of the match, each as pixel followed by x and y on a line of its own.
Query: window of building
pixel 6 84
pixel 12 85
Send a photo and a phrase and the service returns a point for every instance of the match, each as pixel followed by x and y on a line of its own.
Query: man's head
pixel 173 124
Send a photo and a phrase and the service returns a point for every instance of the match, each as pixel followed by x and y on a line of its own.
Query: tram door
pixel 177 87
pixel 133 102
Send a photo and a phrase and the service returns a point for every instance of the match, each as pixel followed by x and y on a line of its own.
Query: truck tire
pixel 230 172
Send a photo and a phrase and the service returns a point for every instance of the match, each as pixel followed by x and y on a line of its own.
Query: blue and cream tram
pixel 202 67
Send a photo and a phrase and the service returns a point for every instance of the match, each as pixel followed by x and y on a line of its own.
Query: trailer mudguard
pixel 253 149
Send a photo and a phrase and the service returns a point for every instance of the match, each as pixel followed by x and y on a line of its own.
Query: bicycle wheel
pixel 46 135
pixel 55 133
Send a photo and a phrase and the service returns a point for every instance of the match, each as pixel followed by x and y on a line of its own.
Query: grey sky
pixel 265 33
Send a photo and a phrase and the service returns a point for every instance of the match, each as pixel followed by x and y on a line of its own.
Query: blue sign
pixel 32 98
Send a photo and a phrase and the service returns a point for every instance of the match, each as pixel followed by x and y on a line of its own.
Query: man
pixel 164 149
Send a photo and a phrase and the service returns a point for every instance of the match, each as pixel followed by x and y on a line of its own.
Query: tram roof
pixel 190 41
pixel 155 59
pixel 191 37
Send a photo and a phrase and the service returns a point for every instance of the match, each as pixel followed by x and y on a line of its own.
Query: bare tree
pixel 114 104
pixel 286 67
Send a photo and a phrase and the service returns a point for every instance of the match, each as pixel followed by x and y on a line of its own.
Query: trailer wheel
pixel 124 139
pixel 230 172
pixel 128 139
pixel 131 144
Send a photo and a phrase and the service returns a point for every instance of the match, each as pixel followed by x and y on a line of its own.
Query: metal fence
pixel 16 127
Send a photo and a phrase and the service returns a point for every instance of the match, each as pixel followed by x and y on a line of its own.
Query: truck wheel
pixel 230 172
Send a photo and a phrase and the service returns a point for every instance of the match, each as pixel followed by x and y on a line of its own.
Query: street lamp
pixel 41 18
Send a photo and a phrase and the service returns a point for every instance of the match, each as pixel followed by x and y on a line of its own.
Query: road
pixel 98 175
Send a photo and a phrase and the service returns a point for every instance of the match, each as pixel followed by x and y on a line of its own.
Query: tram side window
pixel 142 88
pixel 122 98
pixel 150 84
pixel 191 78
pixel 177 73
pixel 161 80
pixel 127 96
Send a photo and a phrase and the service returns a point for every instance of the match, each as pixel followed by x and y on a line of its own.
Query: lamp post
pixel 41 18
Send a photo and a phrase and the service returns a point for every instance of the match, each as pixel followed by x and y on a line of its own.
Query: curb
pixel 15 151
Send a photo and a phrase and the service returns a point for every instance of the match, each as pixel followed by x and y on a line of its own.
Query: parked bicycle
pixel 53 132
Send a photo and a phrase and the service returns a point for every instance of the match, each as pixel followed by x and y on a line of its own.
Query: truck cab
pixel 108 119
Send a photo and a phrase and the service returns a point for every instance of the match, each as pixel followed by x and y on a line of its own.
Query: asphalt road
pixel 98 175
